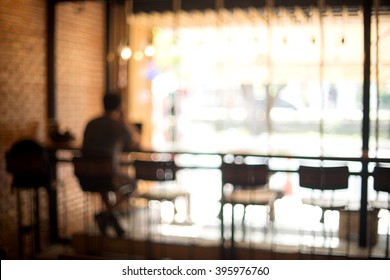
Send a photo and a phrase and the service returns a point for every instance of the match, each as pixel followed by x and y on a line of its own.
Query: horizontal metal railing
pixel 129 157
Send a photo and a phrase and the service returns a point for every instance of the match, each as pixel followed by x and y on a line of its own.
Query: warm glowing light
pixel 138 55
pixel 126 53
pixel 150 51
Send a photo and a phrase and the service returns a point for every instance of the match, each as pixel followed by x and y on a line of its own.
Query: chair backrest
pixel 244 175
pixel 95 174
pixel 381 179
pixel 29 163
pixel 151 170
pixel 324 178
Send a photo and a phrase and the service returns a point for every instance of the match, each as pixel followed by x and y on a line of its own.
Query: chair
pixel 160 176
pixel 323 181
pixel 99 175
pixel 381 175
pixel 29 164
pixel 249 186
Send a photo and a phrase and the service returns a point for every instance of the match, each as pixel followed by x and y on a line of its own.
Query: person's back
pixel 106 136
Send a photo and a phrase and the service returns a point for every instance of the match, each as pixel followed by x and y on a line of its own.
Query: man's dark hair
pixel 111 101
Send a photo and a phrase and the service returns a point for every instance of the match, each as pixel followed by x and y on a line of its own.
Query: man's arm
pixel 134 134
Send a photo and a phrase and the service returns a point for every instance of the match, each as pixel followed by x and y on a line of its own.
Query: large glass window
pixel 380 89
pixel 286 82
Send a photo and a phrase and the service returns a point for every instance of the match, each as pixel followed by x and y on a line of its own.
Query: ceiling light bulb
pixel 126 53
pixel 150 51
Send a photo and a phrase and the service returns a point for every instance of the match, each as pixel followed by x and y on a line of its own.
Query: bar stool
pixel 249 182
pixel 156 181
pixel 29 164
pixel 161 172
pixel 323 180
pixel 99 176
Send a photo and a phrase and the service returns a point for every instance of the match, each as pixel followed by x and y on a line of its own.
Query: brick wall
pixel 80 67
pixel 23 94
pixel 80 85
pixel 23 91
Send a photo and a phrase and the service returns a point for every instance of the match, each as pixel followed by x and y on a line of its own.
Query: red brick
pixel 23 91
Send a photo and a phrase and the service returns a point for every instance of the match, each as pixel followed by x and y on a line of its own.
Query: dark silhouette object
pixel 160 171
pixel 324 181
pixel 156 180
pixel 99 175
pixel 61 137
pixel 109 134
pixel 29 164
pixel 381 176
pixel 3 254
pixel 99 167
pixel 249 182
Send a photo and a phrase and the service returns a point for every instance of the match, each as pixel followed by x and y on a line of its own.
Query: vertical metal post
pixel 51 110
pixel 367 4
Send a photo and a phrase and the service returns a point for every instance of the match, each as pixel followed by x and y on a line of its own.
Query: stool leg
pixel 188 214
pixel 232 244
pixel 37 236
pixel 243 227
pixel 20 226
pixel 223 254
pixel 113 221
